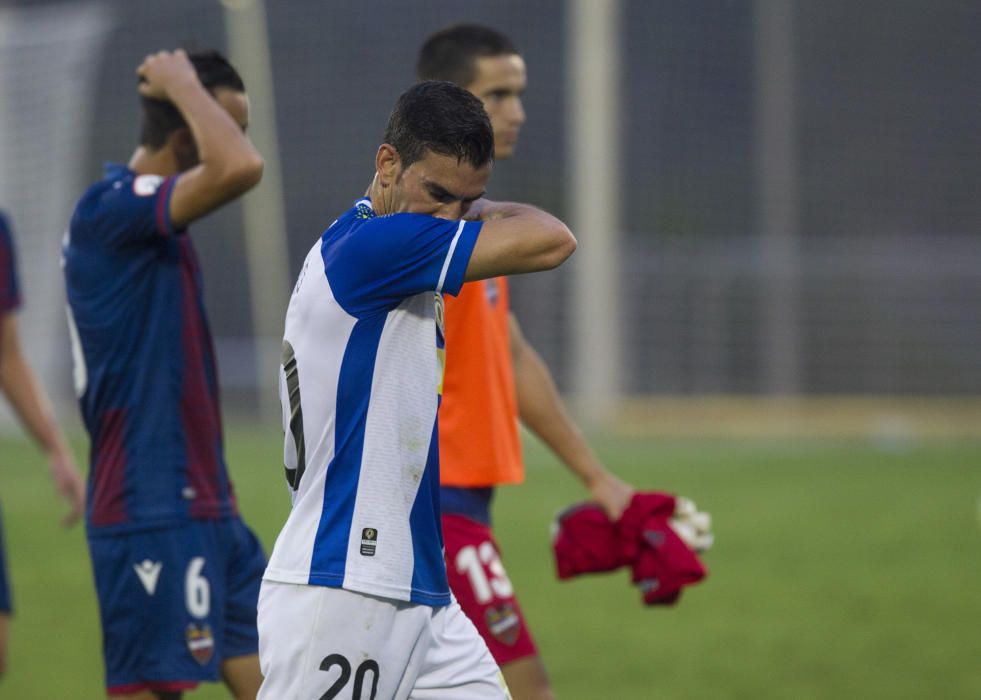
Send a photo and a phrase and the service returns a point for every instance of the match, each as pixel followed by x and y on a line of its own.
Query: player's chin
pixel 503 151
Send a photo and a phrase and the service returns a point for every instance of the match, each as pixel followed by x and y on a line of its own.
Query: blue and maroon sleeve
pixel 9 288
pixel 390 258
pixel 137 211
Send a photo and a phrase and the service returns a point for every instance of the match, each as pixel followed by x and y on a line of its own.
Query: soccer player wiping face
pixel 418 176
pixel 436 184
pixel 356 578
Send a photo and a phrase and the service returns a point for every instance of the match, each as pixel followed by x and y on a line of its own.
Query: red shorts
pixel 481 586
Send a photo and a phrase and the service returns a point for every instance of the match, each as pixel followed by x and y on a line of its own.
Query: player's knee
pixel 242 676
pixel 532 692
pixel 249 692
pixel 541 692
pixel 3 643
pixel 527 680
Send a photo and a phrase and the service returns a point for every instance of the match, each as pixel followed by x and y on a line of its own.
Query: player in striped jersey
pixel 22 389
pixel 176 570
pixel 493 378
pixel 356 586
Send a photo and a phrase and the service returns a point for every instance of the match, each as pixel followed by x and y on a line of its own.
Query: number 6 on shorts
pixel 197 589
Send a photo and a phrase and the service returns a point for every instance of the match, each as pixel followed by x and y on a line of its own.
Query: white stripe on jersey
pixel 449 257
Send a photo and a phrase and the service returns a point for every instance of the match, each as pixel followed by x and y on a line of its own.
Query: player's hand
pixel 475 211
pixel 484 210
pixel 162 71
pixel 612 494
pixel 69 484
pixel 692 526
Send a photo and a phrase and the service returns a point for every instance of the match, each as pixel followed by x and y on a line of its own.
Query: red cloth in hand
pixel 664 564
pixel 644 508
pixel 661 564
pixel 585 542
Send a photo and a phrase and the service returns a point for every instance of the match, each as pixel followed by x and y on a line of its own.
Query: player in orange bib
pixel 493 378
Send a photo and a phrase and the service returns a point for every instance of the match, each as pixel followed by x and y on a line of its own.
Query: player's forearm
pixel 222 146
pixel 494 211
pixel 517 238
pixel 542 411
pixel 24 392
pixel 525 215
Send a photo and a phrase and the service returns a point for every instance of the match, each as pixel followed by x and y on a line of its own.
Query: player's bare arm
pixel 541 410
pixel 21 387
pixel 516 238
pixel 228 164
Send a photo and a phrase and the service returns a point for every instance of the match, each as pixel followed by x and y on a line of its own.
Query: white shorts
pixel 317 643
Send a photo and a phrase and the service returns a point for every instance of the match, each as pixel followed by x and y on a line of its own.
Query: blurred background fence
pixel 798 209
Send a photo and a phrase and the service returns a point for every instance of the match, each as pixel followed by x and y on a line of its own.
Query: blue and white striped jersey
pixel 359 384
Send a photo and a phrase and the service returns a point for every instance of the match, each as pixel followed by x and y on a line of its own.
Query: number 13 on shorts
pixel 483 568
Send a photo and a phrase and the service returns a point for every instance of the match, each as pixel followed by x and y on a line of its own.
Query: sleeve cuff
pixel 162 212
pixel 460 257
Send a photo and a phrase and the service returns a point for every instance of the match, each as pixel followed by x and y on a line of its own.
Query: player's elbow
pixel 563 244
pixel 246 173
pixel 239 175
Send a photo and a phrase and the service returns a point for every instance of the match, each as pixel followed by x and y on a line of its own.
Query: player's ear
pixel 388 164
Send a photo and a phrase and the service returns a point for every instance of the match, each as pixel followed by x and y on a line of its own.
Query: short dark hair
pixel 161 117
pixel 451 53
pixel 438 116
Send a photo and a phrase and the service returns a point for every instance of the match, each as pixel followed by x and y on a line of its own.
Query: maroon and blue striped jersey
pixel 145 369
pixel 9 301
pixel 9 289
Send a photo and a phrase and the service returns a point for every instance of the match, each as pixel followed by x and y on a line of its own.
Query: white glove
pixel 692 526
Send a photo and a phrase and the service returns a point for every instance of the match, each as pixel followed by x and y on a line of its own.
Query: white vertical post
pixel 264 212
pixel 593 87
pixel 776 127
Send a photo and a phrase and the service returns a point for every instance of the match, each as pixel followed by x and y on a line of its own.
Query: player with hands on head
pixel 215 159
pixel 29 401
pixel 177 571
pixel 494 377
pixel 355 598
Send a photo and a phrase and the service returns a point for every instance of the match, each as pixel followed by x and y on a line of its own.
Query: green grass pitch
pixel 840 570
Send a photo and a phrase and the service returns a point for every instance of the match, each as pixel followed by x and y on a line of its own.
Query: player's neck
pixel 159 162
pixel 379 201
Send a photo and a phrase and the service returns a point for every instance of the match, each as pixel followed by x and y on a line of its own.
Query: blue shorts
pixel 6 606
pixel 176 602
